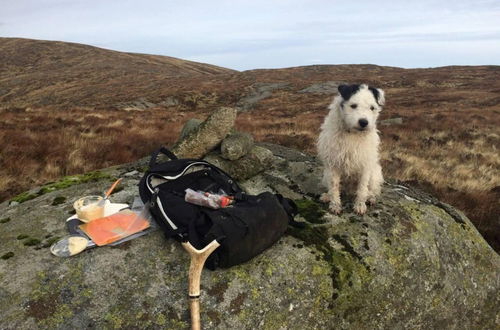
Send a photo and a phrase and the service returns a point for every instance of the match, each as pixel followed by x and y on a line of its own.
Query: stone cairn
pixel 216 140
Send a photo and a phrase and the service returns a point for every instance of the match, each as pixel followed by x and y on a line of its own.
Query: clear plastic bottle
pixel 213 201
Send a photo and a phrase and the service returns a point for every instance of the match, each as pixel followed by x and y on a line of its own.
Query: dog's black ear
pixel 346 91
pixel 378 94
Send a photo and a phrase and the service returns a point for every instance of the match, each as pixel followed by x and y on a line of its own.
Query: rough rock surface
pixel 259 92
pixel 207 135
pixel 411 262
pixel 138 105
pixel 257 160
pixel 189 127
pixel 236 145
pixel 391 121
pixel 328 87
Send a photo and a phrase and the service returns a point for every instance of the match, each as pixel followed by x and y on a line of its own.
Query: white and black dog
pixel 348 145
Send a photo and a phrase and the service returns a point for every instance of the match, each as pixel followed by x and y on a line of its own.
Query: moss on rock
pixel 23 197
pixel 32 242
pixel 65 182
pixel 58 200
pixel 8 255
pixel 312 211
pixel 50 241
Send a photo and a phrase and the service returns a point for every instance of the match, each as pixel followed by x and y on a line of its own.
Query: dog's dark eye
pixel 372 108
pixel 354 106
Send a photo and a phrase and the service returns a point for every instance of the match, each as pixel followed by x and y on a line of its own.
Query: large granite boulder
pixel 411 262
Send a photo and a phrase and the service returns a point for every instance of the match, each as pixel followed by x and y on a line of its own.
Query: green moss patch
pixel 8 255
pixel 50 241
pixel 347 247
pixel 4 220
pixel 315 236
pixel 58 200
pixel 32 242
pixel 65 182
pixel 69 181
pixel 143 169
pixel 312 211
pixel 22 236
pixel 348 270
pixel 23 197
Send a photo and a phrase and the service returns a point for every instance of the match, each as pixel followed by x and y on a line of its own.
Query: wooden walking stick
pixel 198 258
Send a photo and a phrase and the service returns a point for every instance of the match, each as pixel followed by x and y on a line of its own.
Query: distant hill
pixel 41 73
pixel 36 73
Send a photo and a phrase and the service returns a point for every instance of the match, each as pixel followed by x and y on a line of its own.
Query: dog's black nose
pixel 363 122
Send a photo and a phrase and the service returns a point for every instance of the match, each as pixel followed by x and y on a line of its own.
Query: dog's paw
pixel 335 208
pixel 371 201
pixel 360 208
pixel 325 198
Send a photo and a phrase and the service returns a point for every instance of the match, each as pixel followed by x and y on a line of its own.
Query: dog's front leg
pixel 362 192
pixel 375 183
pixel 334 192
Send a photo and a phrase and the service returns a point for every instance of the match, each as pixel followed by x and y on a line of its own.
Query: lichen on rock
pixel 257 160
pixel 189 127
pixel 206 135
pixel 236 145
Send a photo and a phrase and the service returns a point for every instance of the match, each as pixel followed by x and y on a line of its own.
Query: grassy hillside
pixel 52 73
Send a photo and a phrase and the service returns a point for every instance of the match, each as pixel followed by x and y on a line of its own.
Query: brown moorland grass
pixel 41 145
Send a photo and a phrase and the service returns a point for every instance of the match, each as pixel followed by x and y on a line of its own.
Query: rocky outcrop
pixel 328 87
pixel 189 127
pixel 257 160
pixel 236 145
pixel 258 92
pixel 138 105
pixel 411 262
pixel 391 121
pixel 235 153
pixel 207 135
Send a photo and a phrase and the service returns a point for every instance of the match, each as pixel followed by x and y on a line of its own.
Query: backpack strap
pixel 163 150
pixel 291 209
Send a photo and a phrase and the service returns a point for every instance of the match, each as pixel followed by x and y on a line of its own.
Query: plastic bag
pixel 213 201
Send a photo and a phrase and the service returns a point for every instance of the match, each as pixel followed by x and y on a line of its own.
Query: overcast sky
pixel 271 34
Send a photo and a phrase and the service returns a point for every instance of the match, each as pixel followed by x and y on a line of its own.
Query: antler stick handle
pixel 198 258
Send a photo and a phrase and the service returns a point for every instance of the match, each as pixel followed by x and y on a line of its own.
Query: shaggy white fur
pixel 348 145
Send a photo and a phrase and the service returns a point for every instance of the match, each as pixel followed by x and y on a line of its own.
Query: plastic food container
pixel 89 208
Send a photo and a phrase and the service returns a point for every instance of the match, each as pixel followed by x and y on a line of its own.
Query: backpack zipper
pixel 172 177
pixel 160 206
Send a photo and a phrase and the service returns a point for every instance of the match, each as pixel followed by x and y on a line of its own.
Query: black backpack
pixel 244 229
